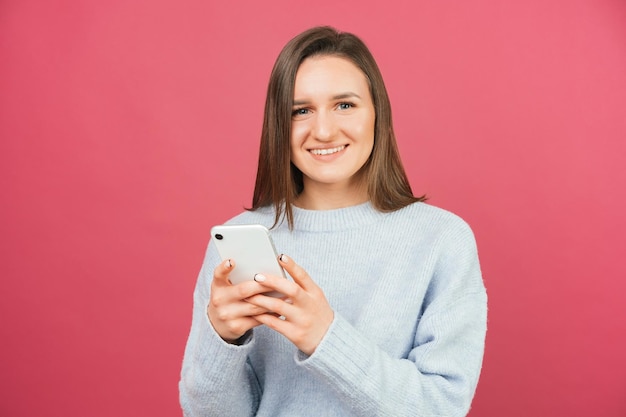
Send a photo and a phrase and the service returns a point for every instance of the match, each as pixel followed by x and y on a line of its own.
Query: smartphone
pixel 252 249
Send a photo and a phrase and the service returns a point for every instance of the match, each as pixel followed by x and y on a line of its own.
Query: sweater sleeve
pixel 440 374
pixel 216 377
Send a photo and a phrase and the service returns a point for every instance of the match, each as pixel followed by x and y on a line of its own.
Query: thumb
pixel 221 272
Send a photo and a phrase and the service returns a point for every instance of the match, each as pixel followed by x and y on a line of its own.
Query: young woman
pixel 386 312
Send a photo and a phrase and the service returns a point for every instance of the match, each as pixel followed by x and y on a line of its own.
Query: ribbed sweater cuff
pixel 216 353
pixel 343 354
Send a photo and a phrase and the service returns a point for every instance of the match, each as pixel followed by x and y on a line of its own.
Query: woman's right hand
pixel 229 313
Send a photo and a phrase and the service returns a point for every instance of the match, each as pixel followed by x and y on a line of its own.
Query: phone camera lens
pixel 218 236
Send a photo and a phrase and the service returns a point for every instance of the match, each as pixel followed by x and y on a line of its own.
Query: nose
pixel 323 127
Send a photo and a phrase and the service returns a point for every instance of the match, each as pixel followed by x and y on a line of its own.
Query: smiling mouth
pixel 329 151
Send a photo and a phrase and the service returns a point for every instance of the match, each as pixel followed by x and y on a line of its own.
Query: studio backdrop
pixel 129 128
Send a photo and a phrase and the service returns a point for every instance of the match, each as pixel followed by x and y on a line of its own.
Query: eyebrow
pixel 335 97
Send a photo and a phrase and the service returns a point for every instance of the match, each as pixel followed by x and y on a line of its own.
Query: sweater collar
pixel 336 219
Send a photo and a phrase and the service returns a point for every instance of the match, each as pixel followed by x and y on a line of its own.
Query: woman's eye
pixel 299 112
pixel 345 106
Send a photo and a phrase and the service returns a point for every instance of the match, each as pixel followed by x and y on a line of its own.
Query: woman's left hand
pixel 303 315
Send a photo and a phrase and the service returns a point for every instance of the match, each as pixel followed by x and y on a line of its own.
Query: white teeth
pixel 327 151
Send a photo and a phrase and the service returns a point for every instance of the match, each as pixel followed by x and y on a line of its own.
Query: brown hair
pixel 278 181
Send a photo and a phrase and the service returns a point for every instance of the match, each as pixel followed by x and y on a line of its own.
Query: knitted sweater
pixel 408 332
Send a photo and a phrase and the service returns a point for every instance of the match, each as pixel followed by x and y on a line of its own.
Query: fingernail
pixel 229 264
pixel 283 258
pixel 259 277
pixel 288 300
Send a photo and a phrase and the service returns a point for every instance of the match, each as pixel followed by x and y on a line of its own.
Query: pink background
pixel 129 128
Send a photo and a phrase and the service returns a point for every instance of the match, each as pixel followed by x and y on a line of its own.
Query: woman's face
pixel 332 125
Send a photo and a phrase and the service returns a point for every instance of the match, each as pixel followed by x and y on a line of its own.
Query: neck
pixel 331 197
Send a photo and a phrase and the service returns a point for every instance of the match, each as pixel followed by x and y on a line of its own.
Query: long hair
pixel 278 181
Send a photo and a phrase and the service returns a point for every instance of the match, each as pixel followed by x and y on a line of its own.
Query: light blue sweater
pixel 408 334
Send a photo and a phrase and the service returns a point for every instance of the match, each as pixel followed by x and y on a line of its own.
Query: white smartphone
pixel 252 249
